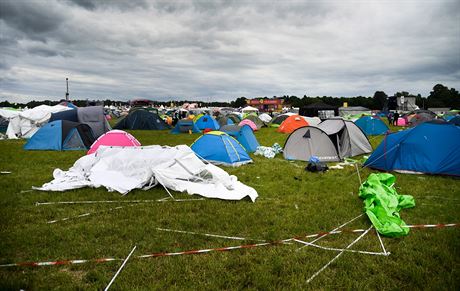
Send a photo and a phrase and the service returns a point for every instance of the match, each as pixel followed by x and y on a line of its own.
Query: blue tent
pixel 372 125
pixel 206 121
pixel 220 148
pixel 70 115
pixel 244 135
pixel 61 135
pixel 430 147
pixel 455 120
pixel 185 126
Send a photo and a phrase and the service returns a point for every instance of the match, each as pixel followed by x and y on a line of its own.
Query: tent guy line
pixel 319 234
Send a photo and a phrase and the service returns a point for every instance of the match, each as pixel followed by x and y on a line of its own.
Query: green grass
pixel 292 202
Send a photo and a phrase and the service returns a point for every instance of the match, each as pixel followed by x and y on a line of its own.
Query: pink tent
pixel 251 124
pixel 114 138
pixel 401 121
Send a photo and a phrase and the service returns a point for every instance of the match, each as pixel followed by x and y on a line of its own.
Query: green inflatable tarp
pixel 382 204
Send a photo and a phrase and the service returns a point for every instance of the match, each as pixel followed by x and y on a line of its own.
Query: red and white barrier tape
pixel 222 249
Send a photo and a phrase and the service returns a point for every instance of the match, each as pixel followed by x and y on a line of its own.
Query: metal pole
pixel 67 91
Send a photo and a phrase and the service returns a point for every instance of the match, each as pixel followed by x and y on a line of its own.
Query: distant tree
pixel 442 96
pixel 379 100
pixel 239 102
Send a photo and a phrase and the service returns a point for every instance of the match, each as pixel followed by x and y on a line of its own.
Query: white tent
pixel 249 109
pixel 25 123
pixel 124 169
pixel 265 118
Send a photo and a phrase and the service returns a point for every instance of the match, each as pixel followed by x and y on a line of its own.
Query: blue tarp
pixel 428 148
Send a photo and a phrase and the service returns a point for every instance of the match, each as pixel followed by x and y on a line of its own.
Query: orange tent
pixel 292 123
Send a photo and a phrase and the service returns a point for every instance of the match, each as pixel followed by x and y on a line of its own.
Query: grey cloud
pixel 33 18
pixel 105 4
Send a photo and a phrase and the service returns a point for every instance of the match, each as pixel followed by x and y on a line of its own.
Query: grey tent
pixel 257 121
pixel 330 141
pixel 95 118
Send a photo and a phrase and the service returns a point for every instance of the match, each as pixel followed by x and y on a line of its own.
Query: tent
pixel 292 123
pixel 61 135
pixel 70 115
pixel 224 120
pixel 249 109
pixel 220 148
pixel 277 120
pixel 372 125
pixel 123 169
pixel 401 121
pixel 114 138
pixel 142 119
pixel 331 140
pixel 185 126
pixel 430 147
pixel 244 135
pixel 207 121
pixel 94 116
pixel 257 121
pixel 25 123
pixel 248 122
pixel 319 109
pixel 265 118
pixel 419 116
pixel 455 120
pixel 312 120
pixel 3 124
pixel 354 110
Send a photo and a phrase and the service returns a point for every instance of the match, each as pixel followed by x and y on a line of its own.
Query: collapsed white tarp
pixel 25 123
pixel 124 169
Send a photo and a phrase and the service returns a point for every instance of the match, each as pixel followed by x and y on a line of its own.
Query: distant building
pixel 266 104
pixel 402 103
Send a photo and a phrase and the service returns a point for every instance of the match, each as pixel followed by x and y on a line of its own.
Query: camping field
pixel 292 202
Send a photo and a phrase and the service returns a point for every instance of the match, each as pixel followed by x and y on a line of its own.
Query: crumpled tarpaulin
pixel 269 152
pixel 124 169
pixel 382 204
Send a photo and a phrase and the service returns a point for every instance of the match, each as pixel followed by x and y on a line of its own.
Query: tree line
pixel 440 96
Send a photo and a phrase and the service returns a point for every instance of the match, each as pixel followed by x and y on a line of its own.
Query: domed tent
pixel 248 122
pixel 94 117
pixel 70 115
pixel 207 121
pixel 331 140
pixel 225 120
pixel 142 119
pixel 220 148
pixel 185 126
pixel 265 118
pixel 244 135
pixel 372 125
pixel 401 121
pixel 292 123
pixel 257 121
pixel 430 147
pixel 114 138
pixel 416 117
pixel 277 120
pixel 455 120
pixel 61 135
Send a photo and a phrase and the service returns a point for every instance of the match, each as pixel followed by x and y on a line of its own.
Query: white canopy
pixel 123 169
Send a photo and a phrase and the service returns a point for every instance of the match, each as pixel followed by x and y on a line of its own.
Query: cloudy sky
pixel 220 50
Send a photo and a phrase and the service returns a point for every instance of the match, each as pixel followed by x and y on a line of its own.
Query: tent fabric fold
pixel 125 169
pixel 382 204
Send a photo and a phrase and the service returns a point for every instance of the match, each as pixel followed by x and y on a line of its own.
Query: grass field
pixel 291 202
